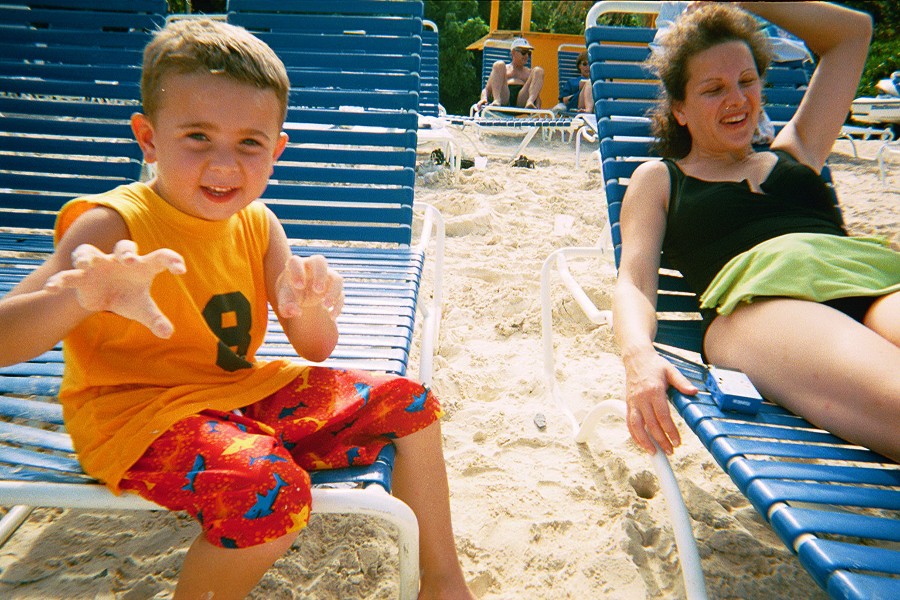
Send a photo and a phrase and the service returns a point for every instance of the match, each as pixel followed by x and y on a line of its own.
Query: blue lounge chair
pixel 832 503
pixel 429 93
pixel 432 116
pixel 509 120
pixel 346 177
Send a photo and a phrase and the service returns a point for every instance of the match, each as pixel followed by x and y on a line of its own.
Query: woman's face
pixel 723 97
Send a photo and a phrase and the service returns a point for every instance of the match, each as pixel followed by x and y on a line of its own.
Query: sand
pixel 536 515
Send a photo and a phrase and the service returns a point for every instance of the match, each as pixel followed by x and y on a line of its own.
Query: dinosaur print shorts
pixel 244 477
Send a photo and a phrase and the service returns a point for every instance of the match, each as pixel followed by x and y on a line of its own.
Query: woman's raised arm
pixel 839 37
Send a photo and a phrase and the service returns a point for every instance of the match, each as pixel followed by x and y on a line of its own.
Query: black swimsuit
pixel 711 222
pixel 794 199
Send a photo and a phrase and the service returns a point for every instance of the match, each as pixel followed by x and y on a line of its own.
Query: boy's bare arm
pixel 307 296
pixel 51 301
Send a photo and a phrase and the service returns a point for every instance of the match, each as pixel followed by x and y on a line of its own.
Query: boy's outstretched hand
pixel 119 282
pixel 306 283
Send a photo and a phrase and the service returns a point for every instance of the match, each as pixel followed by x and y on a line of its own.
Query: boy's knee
pixel 265 500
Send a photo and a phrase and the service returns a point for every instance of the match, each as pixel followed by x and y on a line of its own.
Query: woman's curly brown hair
pixel 691 34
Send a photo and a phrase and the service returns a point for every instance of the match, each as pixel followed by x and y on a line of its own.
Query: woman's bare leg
pixel 586 98
pixel 819 363
pixel 884 318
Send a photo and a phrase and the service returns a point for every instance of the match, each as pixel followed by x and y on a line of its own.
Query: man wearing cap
pixel 514 83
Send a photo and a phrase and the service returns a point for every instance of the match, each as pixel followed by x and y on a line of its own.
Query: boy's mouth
pixel 219 193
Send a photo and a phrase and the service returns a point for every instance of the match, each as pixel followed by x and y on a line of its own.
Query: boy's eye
pixel 200 137
pixel 251 142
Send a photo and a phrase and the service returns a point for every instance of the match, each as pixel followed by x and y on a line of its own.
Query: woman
pixel 810 315
pixel 577 95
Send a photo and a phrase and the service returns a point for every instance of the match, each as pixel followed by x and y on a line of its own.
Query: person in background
pixel 514 84
pixel 577 95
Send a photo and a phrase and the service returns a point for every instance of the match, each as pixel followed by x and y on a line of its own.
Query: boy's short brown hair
pixel 204 45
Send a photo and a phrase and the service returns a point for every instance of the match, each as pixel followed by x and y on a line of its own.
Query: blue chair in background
pixel 429 94
pixel 432 116
pixel 832 503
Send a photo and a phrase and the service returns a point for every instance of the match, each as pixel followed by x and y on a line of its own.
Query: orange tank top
pixel 122 386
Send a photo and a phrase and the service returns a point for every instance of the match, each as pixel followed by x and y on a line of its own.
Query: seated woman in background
pixel 811 315
pixel 577 95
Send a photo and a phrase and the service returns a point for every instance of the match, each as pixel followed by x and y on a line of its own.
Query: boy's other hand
pixel 119 282
pixel 307 283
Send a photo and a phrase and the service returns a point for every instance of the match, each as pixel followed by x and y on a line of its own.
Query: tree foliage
pixel 884 53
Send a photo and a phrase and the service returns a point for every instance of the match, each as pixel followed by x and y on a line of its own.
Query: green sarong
pixel 806 266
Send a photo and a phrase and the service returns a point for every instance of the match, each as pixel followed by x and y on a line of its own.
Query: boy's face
pixel 214 142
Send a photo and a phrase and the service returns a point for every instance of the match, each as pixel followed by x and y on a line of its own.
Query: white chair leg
pixel 893 146
pixel 373 501
pixel 11 521
pixel 691 569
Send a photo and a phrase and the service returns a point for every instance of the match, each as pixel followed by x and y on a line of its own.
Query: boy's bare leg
pixel 213 573
pixel 420 480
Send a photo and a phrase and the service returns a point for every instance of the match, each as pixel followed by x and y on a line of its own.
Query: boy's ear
pixel 143 133
pixel 280 145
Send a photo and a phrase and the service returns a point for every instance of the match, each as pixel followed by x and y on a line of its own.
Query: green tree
pixel 884 53
pixel 179 6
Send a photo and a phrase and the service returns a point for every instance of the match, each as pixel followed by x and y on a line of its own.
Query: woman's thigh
pixel 813 360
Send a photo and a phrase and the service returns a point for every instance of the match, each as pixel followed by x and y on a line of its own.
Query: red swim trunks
pixel 244 478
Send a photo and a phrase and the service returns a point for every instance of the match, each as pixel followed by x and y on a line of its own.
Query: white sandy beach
pixel 536 515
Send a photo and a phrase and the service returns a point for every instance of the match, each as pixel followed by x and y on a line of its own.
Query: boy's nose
pixel 223 160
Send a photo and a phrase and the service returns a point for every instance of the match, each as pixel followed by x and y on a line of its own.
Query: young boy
pixel 160 347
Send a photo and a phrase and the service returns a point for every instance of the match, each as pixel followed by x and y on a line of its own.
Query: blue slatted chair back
pixel 429 93
pixel 348 172
pixel 833 503
pixel 70 71
pixel 89 17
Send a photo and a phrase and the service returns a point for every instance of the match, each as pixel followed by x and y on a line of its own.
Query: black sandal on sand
pixel 524 161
